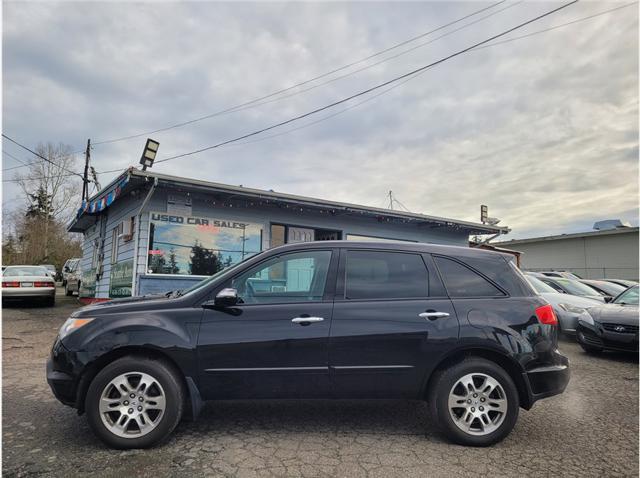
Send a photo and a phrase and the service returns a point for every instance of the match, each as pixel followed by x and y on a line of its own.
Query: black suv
pixel 457 327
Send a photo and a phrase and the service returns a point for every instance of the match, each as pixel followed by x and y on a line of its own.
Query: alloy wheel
pixel 132 404
pixel 477 404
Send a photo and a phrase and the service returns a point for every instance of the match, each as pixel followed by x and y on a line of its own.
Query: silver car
pixel 69 267
pixel 568 308
pixel 28 283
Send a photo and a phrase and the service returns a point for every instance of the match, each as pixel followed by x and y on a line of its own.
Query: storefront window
pixel 199 246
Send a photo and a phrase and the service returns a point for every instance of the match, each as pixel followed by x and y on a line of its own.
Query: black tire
pixel 67 292
pixel 50 302
pixel 444 381
pixel 166 376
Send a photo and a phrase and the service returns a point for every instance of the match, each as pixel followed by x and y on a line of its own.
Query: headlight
pixel 572 308
pixel 586 318
pixel 72 324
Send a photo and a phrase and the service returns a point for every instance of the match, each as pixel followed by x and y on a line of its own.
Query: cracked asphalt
pixel 590 430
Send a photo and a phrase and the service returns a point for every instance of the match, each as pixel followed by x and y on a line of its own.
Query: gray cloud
pixel 544 130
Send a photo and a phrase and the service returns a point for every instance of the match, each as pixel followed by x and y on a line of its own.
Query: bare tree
pixel 55 178
pixel 52 190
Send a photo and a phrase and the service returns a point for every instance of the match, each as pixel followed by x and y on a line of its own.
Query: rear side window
pixel 385 275
pixel 461 281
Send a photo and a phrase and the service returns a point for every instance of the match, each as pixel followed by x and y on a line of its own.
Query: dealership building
pixel 150 233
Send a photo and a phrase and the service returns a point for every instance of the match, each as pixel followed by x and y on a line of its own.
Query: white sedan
pixel 28 283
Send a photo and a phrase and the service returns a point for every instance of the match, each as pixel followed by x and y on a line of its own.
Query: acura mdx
pixel 457 327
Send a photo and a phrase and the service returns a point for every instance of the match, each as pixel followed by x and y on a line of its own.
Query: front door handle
pixel 306 320
pixel 433 315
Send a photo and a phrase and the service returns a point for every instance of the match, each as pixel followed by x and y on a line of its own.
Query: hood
pixel 555 298
pixel 617 314
pixel 127 304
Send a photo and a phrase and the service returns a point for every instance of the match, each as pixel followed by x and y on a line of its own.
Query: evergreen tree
pixel 203 261
pixel 173 264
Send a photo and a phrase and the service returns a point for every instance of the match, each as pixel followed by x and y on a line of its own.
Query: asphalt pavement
pixel 590 430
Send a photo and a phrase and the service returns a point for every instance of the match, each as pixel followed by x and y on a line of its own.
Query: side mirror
pixel 66 269
pixel 608 298
pixel 226 298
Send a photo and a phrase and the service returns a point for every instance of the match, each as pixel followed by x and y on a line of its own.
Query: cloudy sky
pixel 543 129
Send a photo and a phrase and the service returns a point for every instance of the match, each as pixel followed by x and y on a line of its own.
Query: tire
pixel 497 424
pixel 166 382
pixel 50 302
pixel 67 292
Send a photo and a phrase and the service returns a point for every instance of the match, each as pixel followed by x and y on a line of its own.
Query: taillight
pixel 42 284
pixel 11 284
pixel 546 315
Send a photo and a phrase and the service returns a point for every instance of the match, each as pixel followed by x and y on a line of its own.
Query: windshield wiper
pixel 174 293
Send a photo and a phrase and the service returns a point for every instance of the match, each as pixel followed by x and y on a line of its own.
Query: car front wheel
pixel 474 402
pixel 134 402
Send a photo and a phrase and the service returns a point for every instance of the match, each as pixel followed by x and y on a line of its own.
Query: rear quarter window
pixel 462 281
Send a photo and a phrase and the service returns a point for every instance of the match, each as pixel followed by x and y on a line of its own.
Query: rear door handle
pixel 306 320
pixel 432 315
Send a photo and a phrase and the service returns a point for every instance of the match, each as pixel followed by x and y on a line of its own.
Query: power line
pixel 373 88
pixel 40 156
pixel 17 180
pixel 384 60
pixel 355 105
pixel 17 159
pixel 302 83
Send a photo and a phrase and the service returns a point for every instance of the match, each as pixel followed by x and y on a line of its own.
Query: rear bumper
pixel 28 292
pixel 546 381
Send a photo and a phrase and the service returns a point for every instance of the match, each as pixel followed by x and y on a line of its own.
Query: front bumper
pixel 61 380
pixel 546 381
pixel 595 336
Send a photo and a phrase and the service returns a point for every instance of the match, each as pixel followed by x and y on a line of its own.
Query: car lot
pixel 590 430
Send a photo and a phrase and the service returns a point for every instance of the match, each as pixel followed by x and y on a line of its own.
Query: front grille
pixel 621 328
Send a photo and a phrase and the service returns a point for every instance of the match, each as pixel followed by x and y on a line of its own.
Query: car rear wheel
pixel 134 402
pixel 474 402
pixel 67 292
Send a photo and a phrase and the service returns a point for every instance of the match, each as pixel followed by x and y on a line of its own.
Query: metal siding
pixel 592 257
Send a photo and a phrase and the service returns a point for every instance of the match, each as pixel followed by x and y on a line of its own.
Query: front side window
pixel 385 275
pixel 461 281
pixel 295 277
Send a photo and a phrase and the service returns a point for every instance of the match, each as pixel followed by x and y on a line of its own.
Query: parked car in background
pixel 28 283
pixel 622 282
pixel 613 326
pixel 52 270
pixel 73 282
pixel 565 274
pixel 69 266
pixel 569 286
pixel 568 308
pixel 458 327
pixel 607 289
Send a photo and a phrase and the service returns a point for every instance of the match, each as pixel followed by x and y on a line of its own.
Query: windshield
pixel 209 280
pixel 576 288
pixel 630 297
pixel 609 288
pixel 25 271
pixel 540 286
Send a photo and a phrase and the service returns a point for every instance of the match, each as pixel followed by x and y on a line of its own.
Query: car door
pixel 391 320
pixel 275 342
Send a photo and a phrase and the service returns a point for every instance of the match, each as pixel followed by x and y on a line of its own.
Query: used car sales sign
pixel 196 221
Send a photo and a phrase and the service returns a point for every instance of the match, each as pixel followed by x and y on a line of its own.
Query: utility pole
pixel 85 185
pixel 391 200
